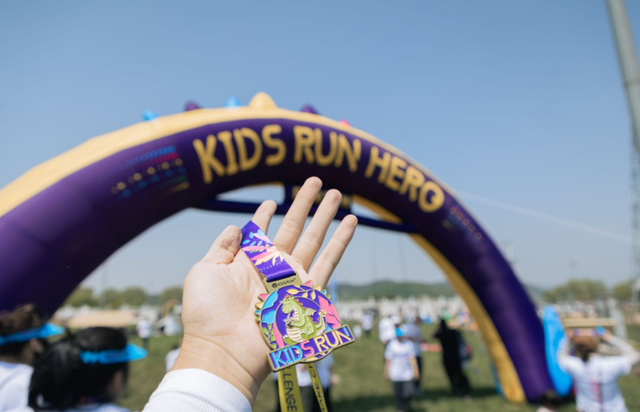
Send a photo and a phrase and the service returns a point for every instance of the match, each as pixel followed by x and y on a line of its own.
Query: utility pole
pixel 630 71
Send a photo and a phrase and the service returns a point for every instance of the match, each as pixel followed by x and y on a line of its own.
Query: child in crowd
pixel 83 372
pixel 595 377
pixel 22 339
pixel 401 368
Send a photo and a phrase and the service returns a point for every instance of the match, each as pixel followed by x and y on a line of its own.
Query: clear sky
pixel 509 103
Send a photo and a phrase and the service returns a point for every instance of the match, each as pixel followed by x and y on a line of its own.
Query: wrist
pixel 198 353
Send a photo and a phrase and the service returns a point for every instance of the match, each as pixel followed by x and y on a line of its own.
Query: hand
pixel 221 335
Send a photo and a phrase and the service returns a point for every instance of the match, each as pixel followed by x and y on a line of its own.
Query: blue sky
pixel 513 102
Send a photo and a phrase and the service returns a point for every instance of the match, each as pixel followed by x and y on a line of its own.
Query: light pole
pixel 630 71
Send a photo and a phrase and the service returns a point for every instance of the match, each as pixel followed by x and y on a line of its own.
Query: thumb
pixel 225 247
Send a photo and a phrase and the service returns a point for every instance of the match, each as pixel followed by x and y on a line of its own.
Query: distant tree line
pixel 114 299
pixel 587 290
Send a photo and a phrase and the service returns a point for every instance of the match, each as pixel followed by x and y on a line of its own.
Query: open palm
pixel 220 291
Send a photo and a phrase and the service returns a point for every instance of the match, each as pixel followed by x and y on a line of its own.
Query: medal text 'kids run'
pixel 298 321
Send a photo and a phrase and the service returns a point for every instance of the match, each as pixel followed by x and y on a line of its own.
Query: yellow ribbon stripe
pixel 288 390
pixel 317 386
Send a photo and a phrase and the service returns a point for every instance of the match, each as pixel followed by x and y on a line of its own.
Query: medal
pixel 298 321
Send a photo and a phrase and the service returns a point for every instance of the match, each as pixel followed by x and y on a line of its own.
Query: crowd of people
pixel 221 361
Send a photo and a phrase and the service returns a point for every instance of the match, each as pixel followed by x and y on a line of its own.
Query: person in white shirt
pixel 367 323
pixel 171 358
pixel 596 377
pixel 22 334
pixel 223 358
pixel 309 400
pixel 401 368
pixel 414 334
pixel 387 328
pixel 144 331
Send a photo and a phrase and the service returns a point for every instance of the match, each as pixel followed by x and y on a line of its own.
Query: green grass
pixel 362 386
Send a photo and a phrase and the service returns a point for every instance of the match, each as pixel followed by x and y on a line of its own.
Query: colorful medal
pixel 298 321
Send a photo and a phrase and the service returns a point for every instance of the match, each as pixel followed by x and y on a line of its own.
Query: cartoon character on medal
pixel 293 314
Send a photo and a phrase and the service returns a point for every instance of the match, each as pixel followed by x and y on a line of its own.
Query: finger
pixel 312 238
pixel 332 253
pixel 264 213
pixel 225 247
pixel 293 222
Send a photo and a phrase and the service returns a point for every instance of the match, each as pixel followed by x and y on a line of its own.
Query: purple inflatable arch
pixel 63 218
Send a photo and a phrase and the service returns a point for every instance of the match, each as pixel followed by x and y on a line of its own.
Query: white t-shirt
pixel 144 328
pixel 103 407
pixel 415 334
pixel 387 330
pixel 596 381
pixel 367 321
pixel 400 354
pixel 171 358
pixel 14 385
pixel 324 372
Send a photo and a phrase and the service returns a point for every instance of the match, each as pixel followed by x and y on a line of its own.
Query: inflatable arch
pixel 61 219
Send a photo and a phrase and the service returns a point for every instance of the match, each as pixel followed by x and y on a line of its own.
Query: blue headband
pixel 41 332
pixel 130 353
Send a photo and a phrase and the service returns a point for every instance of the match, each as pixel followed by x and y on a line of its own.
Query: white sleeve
pixel 628 352
pixel 194 390
pixel 566 361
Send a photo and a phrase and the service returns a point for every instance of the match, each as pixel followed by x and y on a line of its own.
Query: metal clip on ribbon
pixel 298 321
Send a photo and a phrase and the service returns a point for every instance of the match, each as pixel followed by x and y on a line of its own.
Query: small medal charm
pixel 298 321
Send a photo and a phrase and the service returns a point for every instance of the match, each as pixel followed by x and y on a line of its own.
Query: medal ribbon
pixel 271 264
pixel 263 254
pixel 317 386
pixel 288 390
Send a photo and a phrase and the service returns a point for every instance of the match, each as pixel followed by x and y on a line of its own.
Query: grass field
pixel 362 387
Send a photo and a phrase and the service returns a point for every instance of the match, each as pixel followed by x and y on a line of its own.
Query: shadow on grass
pixel 373 402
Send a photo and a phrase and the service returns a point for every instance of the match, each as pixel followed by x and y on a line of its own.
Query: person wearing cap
pixel 401 368
pixel 596 377
pixel 22 339
pixel 82 372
